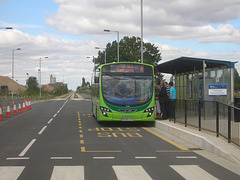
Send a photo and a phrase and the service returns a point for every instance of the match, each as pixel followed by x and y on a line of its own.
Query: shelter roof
pixel 188 64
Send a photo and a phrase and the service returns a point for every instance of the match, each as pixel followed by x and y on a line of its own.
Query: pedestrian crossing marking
pixel 122 172
pixel 68 172
pixel 11 172
pixel 131 173
pixel 190 172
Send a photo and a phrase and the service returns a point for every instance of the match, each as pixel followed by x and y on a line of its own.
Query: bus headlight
pixel 149 111
pixel 105 111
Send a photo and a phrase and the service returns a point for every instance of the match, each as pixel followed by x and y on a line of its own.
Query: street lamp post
pixel 93 61
pixel 40 94
pixel 106 30
pixel 13 67
pixel 141 31
pixel 27 77
pixel 6 28
pixel 105 59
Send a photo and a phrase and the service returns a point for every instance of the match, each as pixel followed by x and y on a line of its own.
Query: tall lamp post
pixel 13 67
pixel 6 28
pixel 40 94
pixel 105 59
pixel 106 30
pixel 141 31
pixel 93 61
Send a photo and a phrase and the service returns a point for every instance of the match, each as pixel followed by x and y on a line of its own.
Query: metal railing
pixel 217 117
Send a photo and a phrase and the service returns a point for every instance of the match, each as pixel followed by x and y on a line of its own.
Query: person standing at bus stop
pixel 172 97
pixel 163 99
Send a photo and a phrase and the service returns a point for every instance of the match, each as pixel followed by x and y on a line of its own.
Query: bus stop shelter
pixel 201 79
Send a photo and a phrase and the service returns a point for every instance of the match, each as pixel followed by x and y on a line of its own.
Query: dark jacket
pixel 163 97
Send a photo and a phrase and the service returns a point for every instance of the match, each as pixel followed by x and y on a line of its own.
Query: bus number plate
pixel 127 119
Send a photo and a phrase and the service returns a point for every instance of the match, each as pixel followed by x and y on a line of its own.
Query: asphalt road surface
pixel 60 139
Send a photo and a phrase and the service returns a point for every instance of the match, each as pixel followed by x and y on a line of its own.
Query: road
pixel 59 139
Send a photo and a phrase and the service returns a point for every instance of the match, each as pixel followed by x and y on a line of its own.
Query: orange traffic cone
pixel 1 116
pixel 8 111
pixel 19 107
pixel 14 108
pixel 29 104
pixel 23 106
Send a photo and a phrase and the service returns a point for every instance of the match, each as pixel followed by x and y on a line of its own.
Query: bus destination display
pixel 130 68
pixel 126 68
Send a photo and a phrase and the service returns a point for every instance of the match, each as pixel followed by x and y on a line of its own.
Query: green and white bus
pixel 123 92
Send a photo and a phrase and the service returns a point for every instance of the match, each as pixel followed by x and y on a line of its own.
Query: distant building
pixel 53 84
pixel 4 89
pixel 52 79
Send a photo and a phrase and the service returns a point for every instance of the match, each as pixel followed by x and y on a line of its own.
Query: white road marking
pixel 50 121
pixel 54 158
pixel 11 172
pixel 147 157
pixel 27 148
pixel 186 157
pixel 18 158
pixel 103 157
pixel 68 172
pixel 40 132
pixel 131 173
pixel 190 172
pixel 55 115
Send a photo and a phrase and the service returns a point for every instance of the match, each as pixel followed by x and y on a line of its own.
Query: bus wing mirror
pixel 96 79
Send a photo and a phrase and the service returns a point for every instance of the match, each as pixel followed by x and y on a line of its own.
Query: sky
pixel 67 32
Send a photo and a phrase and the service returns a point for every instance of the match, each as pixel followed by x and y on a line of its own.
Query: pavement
pixel 202 139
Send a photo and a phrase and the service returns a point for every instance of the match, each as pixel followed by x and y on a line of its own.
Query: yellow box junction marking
pixel 167 140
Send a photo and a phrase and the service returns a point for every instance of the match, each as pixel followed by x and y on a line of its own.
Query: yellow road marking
pixel 81 135
pixel 165 139
pixel 163 151
pixel 81 141
pixel 83 149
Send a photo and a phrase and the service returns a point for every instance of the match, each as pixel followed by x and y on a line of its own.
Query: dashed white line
pixel 27 148
pixel 40 132
pixel 186 157
pixel 103 157
pixel 55 115
pixel 59 158
pixel 147 157
pixel 50 121
pixel 18 158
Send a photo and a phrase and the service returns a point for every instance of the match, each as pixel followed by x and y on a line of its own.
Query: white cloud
pixel 175 19
pixel 65 58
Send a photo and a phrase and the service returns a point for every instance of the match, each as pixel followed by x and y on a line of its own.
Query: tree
pixel 236 80
pixel 61 90
pixel 32 80
pixel 83 82
pixel 32 84
pixel 129 51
